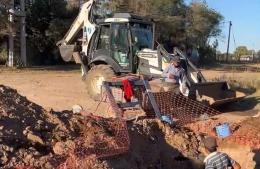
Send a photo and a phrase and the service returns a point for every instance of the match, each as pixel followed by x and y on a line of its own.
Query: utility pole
pixel 23 33
pixel 11 35
pixel 230 25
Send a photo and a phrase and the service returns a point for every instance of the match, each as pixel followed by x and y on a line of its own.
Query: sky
pixel 245 17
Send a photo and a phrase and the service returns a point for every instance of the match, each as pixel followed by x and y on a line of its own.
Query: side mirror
pixel 136 40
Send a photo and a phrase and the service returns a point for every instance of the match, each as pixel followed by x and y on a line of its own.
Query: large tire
pixel 96 75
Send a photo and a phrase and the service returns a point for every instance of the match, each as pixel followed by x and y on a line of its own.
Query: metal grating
pixel 181 108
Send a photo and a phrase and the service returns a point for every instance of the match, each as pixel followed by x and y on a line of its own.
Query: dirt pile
pixel 156 145
pixel 32 136
pixel 247 133
pixel 153 145
pixel 27 131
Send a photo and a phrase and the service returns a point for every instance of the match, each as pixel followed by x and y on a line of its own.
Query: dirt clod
pixel 61 148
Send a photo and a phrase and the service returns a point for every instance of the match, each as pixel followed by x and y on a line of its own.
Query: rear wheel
pixel 95 77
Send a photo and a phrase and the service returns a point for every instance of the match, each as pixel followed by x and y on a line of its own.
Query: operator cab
pixel 118 39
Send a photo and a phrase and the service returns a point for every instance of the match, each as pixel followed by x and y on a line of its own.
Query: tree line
pixel 178 24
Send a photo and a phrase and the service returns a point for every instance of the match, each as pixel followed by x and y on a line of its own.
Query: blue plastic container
pixel 167 119
pixel 223 130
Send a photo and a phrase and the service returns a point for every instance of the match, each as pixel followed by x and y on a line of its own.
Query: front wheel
pixel 95 77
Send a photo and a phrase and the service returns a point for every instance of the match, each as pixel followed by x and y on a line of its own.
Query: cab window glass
pixel 120 44
pixel 103 42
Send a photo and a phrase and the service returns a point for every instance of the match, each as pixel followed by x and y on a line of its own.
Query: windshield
pixel 142 35
pixel 119 36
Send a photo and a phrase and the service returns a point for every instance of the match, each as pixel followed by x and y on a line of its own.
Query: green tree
pixel 3 17
pixel 191 25
pixel 240 51
pixel 251 52
pixel 203 23
pixel 169 16
pixel 258 54
pixel 47 22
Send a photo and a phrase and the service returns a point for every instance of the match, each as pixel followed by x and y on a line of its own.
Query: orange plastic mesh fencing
pixel 114 143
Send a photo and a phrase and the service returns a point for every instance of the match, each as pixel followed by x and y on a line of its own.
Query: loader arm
pixel 83 21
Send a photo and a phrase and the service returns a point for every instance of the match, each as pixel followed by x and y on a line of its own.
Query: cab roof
pixel 124 18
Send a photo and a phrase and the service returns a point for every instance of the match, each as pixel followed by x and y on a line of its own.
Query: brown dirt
pixel 244 143
pixel 31 136
pixel 156 145
pixel 59 90
pixel 62 89
pixel 28 132
pixel 153 145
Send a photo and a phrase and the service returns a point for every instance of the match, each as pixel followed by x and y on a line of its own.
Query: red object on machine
pixel 128 90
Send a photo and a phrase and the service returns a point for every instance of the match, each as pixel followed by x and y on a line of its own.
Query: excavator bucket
pixel 216 93
pixel 66 52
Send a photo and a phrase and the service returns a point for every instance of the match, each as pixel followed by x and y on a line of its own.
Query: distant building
pixel 246 58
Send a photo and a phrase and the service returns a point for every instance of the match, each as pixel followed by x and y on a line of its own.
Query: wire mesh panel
pixel 101 138
pixel 181 108
pixel 117 144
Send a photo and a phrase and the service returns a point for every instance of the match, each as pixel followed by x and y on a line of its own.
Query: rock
pixel 11 149
pixel 7 148
pixel 28 128
pixel 186 136
pixel 11 115
pixel 36 153
pixel 58 148
pixel 184 146
pixel 40 122
pixel 25 132
pixel 35 138
pixel 46 127
pixel 40 125
pixel 61 148
pixel 77 109
pixel 48 165
pixel 28 158
pixel 13 159
pixel 4 158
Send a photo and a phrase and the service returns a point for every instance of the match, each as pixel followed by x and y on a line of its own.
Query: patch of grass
pixel 249 86
pixel 237 80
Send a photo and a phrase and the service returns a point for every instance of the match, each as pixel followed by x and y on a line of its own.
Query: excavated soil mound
pixel 32 136
pixel 28 132
pixel 153 145
pixel 156 145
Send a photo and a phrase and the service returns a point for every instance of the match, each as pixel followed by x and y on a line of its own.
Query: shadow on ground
pixel 153 151
pixel 247 91
pixel 256 158
pixel 68 67
pixel 246 106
